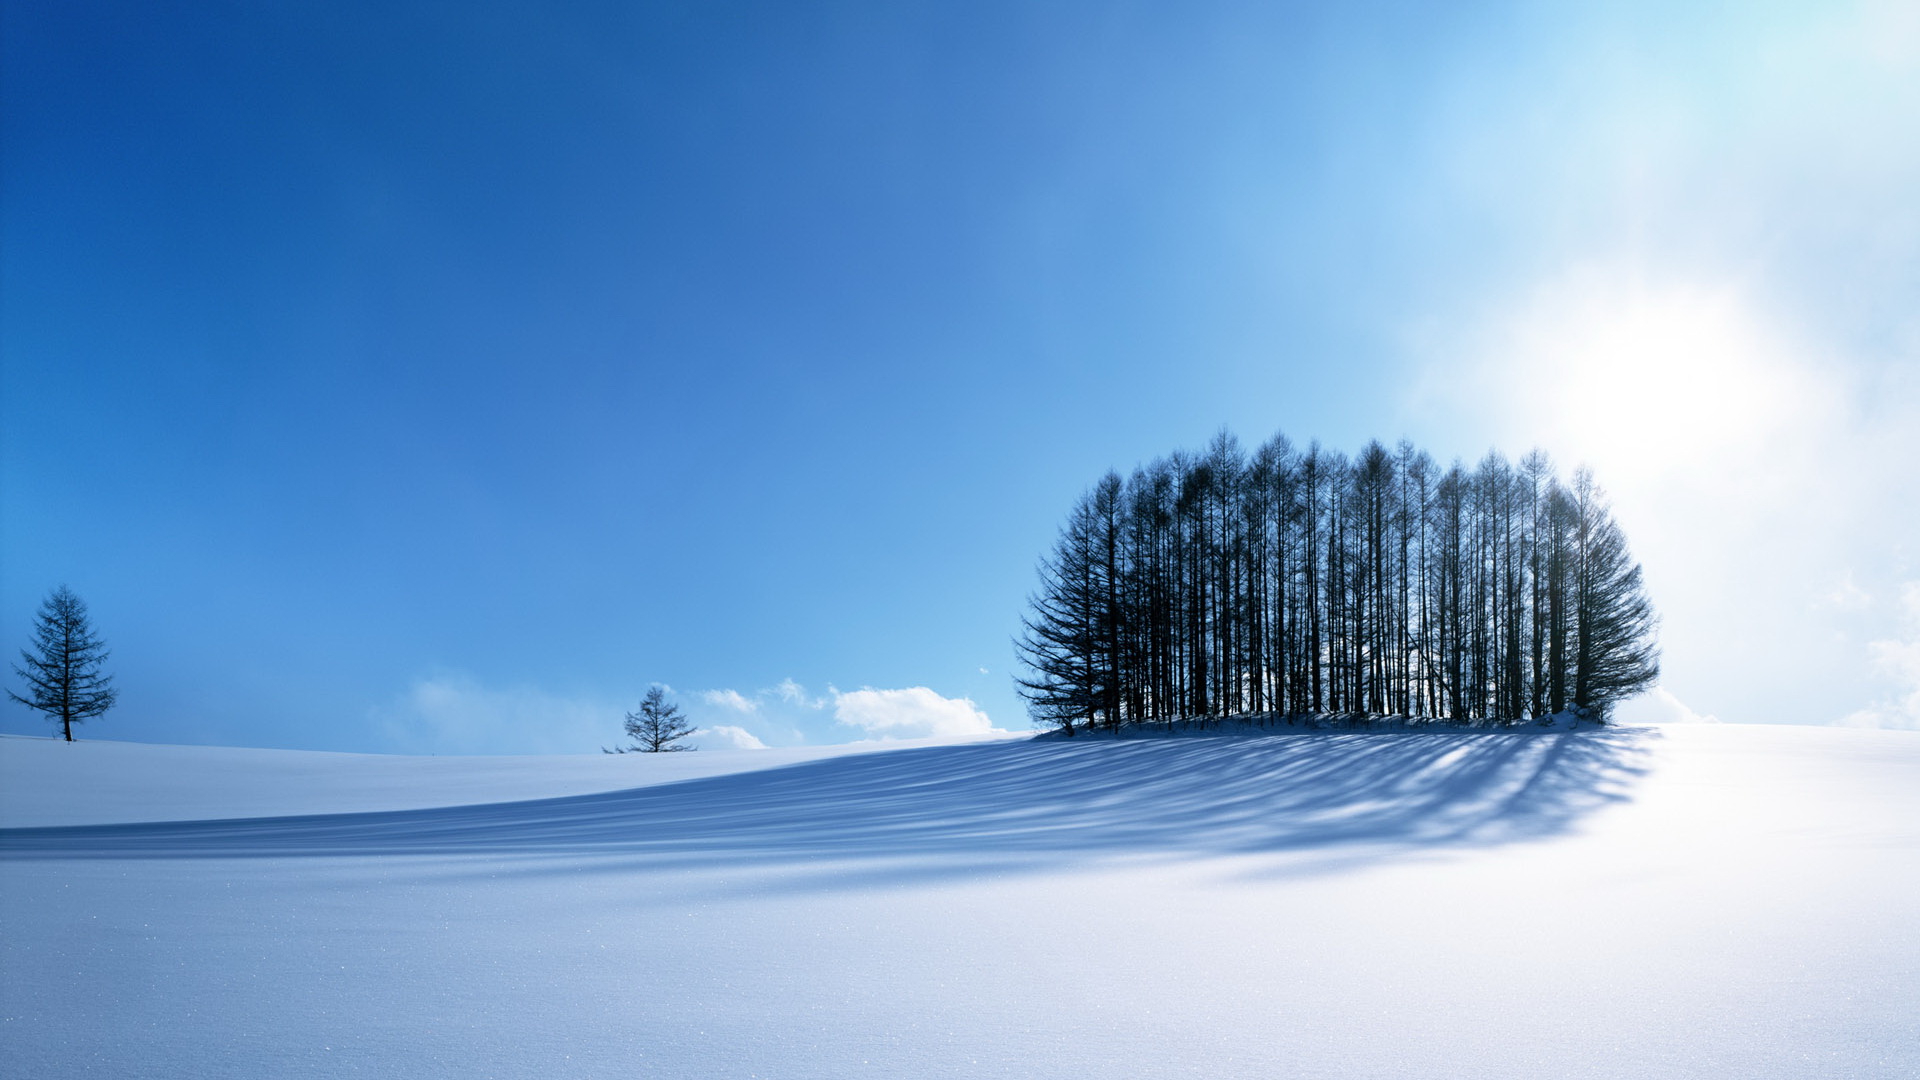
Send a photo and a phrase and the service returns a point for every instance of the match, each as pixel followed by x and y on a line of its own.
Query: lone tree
pixel 64 679
pixel 657 728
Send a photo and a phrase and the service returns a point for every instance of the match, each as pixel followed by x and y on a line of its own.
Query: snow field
pixel 1686 901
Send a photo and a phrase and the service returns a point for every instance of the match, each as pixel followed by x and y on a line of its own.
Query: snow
pixel 47 782
pixel 1713 900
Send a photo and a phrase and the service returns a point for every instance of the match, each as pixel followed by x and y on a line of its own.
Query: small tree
pixel 657 728
pixel 64 679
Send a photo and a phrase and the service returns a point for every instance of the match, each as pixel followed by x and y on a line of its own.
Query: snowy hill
pixel 1686 901
pixel 46 782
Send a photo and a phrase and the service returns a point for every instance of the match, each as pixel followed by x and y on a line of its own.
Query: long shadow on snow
pixel 997 804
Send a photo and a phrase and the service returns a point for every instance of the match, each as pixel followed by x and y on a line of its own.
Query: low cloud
pixel 453 713
pixel 1898 661
pixel 910 713
pixel 1847 595
pixel 725 737
pixel 450 712
pixel 792 693
pixel 728 699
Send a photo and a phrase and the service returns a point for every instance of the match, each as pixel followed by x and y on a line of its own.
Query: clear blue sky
pixel 437 376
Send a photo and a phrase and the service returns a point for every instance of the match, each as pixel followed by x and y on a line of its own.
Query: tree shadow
pixel 963 809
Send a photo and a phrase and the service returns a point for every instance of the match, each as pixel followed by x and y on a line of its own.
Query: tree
pixel 1617 657
pixel 1060 640
pixel 64 679
pixel 657 728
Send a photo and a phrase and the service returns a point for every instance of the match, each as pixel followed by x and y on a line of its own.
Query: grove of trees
pixel 1294 582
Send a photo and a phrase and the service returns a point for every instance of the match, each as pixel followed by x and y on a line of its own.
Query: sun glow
pixel 1734 441
pixel 1652 382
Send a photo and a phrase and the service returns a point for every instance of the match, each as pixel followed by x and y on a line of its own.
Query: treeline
pixel 1299 581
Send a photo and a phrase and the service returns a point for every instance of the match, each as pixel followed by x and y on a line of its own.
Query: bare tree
pixel 657 728
pixel 64 679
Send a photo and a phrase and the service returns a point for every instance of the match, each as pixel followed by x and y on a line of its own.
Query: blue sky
pixel 435 377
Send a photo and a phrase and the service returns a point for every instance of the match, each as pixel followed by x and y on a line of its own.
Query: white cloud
pixel 728 699
pixel 1897 660
pixel 718 715
pixel 1847 595
pixel 792 693
pixel 910 713
pixel 726 737
pixel 452 713
pixel 788 713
